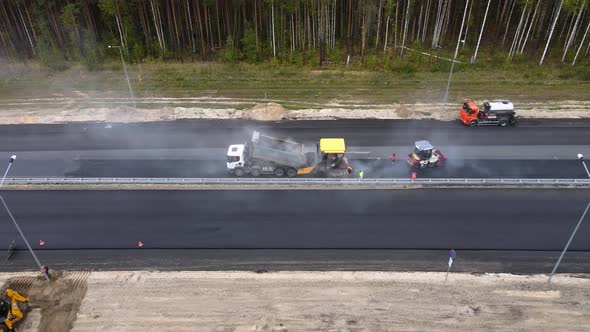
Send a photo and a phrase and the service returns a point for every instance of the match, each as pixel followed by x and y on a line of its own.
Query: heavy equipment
pixel 495 113
pixel 425 155
pixel 10 310
pixel 279 157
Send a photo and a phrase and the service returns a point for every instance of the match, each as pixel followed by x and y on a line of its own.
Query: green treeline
pixel 303 32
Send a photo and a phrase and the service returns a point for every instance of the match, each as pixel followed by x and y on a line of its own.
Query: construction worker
pixel 392 157
pixel 361 174
pixel 45 270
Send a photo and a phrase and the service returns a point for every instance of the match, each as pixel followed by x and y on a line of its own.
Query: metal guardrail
pixel 423 181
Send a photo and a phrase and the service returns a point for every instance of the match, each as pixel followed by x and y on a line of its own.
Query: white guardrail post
pixel 347 181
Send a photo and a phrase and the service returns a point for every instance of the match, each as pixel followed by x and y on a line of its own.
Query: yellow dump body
pixel 332 145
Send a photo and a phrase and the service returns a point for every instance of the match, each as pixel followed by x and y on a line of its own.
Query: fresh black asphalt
pixel 477 219
pixel 569 169
pixel 493 230
pixel 203 133
pixel 219 134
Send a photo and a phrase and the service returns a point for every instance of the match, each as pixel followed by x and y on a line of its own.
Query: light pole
pixel 12 158
pixel 568 244
pixel 455 57
pixel 581 158
pixel 125 69
pixel 24 238
pixel 16 224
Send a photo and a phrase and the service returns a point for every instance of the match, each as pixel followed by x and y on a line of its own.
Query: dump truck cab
pixel 468 113
pixel 235 156
pixel 495 113
pixel 425 155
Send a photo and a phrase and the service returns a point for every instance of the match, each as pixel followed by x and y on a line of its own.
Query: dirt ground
pixel 53 305
pixel 302 301
pixel 76 109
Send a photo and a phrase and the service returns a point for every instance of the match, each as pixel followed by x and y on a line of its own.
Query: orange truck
pixel 494 113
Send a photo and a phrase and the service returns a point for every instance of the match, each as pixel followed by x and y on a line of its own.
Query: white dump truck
pixel 266 155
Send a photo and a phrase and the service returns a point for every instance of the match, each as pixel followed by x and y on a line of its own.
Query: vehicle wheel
pixel 503 123
pixel 255 172
pixel 512 122
pixel 279 172
pixel 239 172
pixel 473 123
pixel 291 172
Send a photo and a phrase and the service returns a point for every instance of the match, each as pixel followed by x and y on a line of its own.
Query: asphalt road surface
pixel 372 169
pixel 330 221
pixel 218 133
pixel 493 230
pixel 347 219
pixel 536 148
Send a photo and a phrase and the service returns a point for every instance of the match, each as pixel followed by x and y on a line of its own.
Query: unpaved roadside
pixel 72 109
pixel 308 301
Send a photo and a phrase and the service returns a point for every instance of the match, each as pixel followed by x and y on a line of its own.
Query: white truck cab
pixel 235 156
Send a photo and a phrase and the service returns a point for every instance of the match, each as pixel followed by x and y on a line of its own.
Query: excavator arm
pixel 14 295
pixel 15 314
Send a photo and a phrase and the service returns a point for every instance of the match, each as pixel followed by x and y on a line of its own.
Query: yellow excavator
pixel 10 311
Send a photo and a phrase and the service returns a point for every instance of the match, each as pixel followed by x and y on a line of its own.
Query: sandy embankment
pixel 302 301
pixel 63 110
